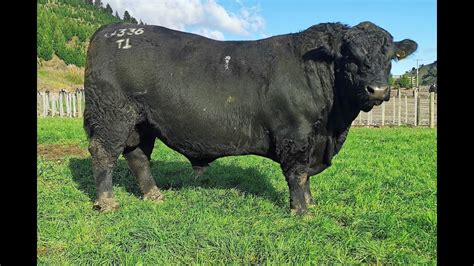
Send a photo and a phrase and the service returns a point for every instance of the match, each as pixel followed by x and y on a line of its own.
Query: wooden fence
pixel 60 104
pixel 413 108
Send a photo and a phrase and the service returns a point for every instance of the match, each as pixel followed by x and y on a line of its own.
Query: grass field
pixel 376 204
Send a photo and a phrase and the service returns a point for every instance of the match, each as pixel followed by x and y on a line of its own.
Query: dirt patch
pixel 59 151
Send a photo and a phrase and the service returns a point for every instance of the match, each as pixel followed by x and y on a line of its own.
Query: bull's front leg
pixel 300 196
pixel 308 198
pixel 294 155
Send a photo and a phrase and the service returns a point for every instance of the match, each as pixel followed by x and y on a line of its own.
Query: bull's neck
pixel 321 73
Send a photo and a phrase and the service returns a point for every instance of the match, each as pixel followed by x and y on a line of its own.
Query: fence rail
pixel 61 104
pixel 417 108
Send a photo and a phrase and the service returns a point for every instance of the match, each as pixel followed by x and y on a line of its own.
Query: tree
pixel 108 9
pixel 98 4
pixel 117 15
pixel 391 81
pixel 126 16
pixel 404 81
pixel 133 20
pixel 45 47
pixel 89 2
pixel 141 22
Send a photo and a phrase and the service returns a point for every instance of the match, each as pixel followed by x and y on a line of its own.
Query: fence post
pixel 399 108
pixel 383 113
pixel 61 107
pixel 43 97
pixel 415 97
pixel 53 104
pixel 38 103
pixel 418 110
pixel 48 103
pixel 79 103
pixel 432 102
pixel 73 98
pixel 68 103
pixel 394 109
pixel 406 110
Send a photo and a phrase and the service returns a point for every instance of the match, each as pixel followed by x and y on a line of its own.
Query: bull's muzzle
pixel 378 93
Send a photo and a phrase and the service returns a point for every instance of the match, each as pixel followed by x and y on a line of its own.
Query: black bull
pixel 290 98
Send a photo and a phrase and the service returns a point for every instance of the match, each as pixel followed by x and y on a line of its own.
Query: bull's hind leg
pixel 200 166
pixel 104 158
pixel 138 158
pixel 109 117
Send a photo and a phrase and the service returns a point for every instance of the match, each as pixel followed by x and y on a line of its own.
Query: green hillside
pixel 65 26
pixel 427 73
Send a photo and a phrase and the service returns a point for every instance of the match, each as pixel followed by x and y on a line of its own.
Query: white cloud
pixel 213 34
pixel 208 16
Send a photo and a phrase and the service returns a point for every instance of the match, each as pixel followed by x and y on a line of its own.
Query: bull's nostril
pixel 370 89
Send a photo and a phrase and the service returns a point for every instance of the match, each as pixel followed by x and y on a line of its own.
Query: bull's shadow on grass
pixel 179 175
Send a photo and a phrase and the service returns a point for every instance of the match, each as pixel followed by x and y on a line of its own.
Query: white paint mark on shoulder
pixel 227 60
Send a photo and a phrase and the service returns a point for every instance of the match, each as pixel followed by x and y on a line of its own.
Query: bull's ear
pixel 404 48
pixel 323 53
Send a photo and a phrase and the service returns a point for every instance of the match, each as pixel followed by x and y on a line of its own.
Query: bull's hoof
pixel 199 170
pixel 310 203
pixel 106 205
pixel 154 195
pixel 298 212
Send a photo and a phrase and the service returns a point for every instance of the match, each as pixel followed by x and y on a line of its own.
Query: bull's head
pixel 365 62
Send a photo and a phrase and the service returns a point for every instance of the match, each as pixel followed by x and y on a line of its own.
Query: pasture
pixel 375 204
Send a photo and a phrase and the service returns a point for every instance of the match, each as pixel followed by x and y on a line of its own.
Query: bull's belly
pixel 209 139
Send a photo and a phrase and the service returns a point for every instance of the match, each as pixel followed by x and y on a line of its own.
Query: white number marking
pixel 110 34
pixel 131 31
pixel 121 32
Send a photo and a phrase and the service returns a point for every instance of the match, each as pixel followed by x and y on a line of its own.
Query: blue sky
pixel 255 19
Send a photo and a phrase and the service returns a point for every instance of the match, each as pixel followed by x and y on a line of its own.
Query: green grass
pixel 376 204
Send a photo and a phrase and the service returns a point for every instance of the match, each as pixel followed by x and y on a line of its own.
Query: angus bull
pixel 290 98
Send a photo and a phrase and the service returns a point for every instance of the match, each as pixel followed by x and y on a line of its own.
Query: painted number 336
pixel 122 32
